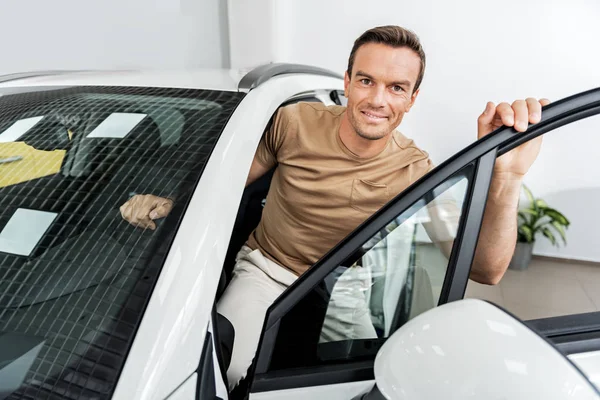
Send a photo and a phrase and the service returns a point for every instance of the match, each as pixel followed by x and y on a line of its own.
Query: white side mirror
pixel 471 349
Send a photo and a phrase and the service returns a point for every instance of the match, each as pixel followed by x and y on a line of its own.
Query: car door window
pixel 401 272
pixel 391 277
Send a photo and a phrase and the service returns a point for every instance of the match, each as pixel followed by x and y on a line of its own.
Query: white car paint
pixel 214 79
pixel 220 386
pixel 472 349
pixel 187 390
pixel 589 363
pixel 169 341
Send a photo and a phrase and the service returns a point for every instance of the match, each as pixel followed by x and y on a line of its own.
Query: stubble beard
pixel 360 131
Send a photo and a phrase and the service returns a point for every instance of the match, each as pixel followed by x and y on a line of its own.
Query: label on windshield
pixel 18 129
pixel 24 231
pixel 116 125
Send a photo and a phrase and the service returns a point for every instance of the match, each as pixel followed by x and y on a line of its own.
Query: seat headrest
pixel 52 132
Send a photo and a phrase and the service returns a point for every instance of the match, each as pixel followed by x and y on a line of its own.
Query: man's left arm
pixel 498 235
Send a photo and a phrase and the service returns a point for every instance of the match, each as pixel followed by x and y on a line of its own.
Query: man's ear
pixel 346 83
pixel 412 99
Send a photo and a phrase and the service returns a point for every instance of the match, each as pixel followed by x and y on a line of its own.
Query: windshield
pixel 75 277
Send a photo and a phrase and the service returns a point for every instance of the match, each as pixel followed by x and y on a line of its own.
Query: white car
pixel 93 307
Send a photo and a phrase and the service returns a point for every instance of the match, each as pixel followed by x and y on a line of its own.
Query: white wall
pixel 477 51
pixel 112 34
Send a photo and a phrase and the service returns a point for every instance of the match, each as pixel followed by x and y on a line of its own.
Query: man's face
pixel 380 89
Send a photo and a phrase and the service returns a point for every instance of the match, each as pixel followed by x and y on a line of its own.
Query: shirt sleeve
pixel 420 169
pixel 274 137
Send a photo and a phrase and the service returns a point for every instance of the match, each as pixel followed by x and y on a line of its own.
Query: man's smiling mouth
pixel 374 117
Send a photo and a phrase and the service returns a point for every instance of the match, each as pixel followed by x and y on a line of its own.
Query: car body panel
pixel 214 79
pixel 589 363
pixel 187 390
pixel 473 349
pixel 169 341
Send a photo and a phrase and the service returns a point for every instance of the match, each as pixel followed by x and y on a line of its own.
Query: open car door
pixel 415 253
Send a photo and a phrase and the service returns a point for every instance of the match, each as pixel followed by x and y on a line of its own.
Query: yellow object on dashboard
pixel 20 162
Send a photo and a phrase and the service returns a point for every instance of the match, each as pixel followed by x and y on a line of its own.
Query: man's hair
pixel 394 36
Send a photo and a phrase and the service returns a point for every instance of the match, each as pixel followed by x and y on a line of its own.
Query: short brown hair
pixel 394 36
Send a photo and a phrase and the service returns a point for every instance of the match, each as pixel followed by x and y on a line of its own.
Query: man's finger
pixel 521 115
pixel 142 215
pixel 535 110
pixel 144 223
pixel 150 225
pixel 162 210
pixel 544 102
pixel 506 114
pixel 125 211
pixel 486 118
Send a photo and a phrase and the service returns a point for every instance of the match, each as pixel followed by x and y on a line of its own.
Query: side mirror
pixel 471 349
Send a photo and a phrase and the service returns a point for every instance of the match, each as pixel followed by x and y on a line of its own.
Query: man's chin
pixel 371 135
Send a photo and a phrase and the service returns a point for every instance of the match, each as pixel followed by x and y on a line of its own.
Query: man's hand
pixel 142 209
pixel 515 163
pixel 499 227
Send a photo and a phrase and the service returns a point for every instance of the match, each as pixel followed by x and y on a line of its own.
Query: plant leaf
pixel 557 216
pixel 523 217
pixel 527 233
pixel 529 211
pixel 541 204
pixel 561 230
pixel 549 235
pixel 530 196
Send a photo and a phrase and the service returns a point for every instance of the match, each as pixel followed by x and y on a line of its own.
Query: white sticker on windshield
pixel 18 129
pixel 116 126
pixel 24 230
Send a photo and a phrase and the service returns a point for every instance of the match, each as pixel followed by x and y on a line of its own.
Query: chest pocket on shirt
pixel 368 196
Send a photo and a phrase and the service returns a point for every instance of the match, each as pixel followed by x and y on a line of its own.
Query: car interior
pixel 251 205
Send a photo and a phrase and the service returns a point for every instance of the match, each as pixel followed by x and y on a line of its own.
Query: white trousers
pixel 257 282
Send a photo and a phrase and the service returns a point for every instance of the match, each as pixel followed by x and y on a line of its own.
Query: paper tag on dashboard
pixel 24 230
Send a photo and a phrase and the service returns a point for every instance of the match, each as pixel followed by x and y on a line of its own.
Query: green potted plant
pixel 537 218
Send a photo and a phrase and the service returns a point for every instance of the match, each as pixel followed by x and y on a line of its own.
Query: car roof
pixel 205 78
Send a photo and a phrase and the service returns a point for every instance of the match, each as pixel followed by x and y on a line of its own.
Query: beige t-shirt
pixel 321 191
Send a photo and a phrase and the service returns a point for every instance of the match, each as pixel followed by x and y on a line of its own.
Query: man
pixel 338 165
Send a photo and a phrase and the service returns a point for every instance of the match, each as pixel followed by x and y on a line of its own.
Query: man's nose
pixel 377 99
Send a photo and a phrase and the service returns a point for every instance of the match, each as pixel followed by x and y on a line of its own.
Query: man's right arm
pixel 256 171
pixel 141 210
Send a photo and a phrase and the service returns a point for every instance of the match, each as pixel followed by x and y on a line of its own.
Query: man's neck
pixel 363 148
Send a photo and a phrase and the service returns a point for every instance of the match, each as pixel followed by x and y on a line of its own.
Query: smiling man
pixel 336 166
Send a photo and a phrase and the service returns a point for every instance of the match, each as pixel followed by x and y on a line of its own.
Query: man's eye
pixel 365 81
pixel 397 88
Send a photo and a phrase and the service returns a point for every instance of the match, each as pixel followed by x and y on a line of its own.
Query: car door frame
pixel 483 154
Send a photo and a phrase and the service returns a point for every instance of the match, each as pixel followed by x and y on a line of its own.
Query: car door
pixel 314 342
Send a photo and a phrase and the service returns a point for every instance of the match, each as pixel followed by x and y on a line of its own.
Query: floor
pixel 547 288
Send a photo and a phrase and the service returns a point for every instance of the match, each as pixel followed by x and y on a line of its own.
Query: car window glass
pixel 394 276
pixel 550 276
pixel 75 277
